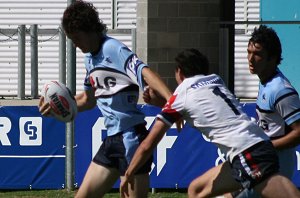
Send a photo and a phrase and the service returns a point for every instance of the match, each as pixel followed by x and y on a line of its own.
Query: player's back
pixel 213 109
pixel 211 101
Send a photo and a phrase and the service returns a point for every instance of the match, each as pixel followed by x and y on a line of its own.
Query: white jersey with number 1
pixel 206 104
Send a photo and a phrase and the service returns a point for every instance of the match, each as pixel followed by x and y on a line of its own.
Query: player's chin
pixel 251 71
pixel 84 51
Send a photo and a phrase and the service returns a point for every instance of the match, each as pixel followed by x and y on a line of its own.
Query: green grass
pixel 37 194
pixel 70 194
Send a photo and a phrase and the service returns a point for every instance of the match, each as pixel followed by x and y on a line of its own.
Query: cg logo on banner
pixel 30 129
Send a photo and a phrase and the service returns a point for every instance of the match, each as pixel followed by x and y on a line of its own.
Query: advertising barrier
pixel 32 150
pixel 32 154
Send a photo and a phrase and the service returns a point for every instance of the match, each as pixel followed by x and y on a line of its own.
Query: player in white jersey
pixel 206 104
pixel 277 104
pixel 114 75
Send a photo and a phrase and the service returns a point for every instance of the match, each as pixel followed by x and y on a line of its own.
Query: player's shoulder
pixel 278 86
pixel 114 48
pixel 281 84
pixel 111 44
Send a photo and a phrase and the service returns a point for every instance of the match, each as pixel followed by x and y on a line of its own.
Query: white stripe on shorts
pixel 245 165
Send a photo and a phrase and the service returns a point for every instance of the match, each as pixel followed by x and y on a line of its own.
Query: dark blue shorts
pixel 255 164
pixel 117 151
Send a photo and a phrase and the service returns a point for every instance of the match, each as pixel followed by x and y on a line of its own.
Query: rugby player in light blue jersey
pixel 277 104
pixel 114 75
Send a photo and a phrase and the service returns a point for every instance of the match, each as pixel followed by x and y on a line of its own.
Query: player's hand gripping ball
pixel 61 100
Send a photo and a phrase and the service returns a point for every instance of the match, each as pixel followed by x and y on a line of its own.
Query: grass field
pixel 70 194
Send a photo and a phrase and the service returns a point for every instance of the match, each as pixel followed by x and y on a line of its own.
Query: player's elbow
pixel 85 101
pixel 91 102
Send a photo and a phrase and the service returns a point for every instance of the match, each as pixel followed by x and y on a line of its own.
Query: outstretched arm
pixel 158 93
pixel 154 81
pixel 143 153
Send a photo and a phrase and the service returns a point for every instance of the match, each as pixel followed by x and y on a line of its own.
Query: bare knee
pixel 277 185
pixel 195 190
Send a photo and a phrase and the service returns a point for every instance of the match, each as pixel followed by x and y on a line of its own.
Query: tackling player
pixel 206 104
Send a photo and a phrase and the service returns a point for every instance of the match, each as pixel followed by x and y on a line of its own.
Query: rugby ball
pixel 61 100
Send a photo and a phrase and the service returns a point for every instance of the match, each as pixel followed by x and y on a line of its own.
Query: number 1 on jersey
pixel 218 92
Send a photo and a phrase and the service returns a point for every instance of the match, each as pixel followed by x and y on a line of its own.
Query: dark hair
pixel 82 16
pixel 269 40
pixel 192 62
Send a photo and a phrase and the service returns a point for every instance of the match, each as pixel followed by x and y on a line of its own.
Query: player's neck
pixel 99 42
pixel 265 78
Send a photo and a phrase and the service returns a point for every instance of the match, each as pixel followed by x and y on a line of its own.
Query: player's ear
pixel 181 75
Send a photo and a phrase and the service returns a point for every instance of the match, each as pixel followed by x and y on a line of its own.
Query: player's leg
pixel 216 181
pixel 277 186
pixel 243 193
pixel 141 186
pixel 286 164
pixel 131 140
pixel 104 171
pixel 97 181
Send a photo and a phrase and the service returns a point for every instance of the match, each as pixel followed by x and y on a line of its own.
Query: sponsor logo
pixel 108 82
pixel 5 126
pixel 30 131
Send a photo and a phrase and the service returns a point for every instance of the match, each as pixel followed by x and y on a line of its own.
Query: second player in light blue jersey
pixel 278 104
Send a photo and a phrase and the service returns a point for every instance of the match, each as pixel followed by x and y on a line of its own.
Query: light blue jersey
pixel 278 106
pixel 116 75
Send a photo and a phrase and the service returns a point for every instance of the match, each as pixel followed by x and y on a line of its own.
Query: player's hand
pixel 44 107
pixel 152 97
pixel 124 185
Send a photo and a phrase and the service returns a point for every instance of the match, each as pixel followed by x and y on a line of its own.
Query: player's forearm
pixel 146 148
pixel 84 102
pixel 290 140
pixel 155 82
pixel 140 157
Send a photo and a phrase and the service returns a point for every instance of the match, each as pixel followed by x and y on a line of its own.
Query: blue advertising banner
pixel 32 154
pixel 178 158
pixel 32 150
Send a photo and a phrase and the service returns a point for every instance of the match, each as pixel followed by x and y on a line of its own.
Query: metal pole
pixel 34 60
pixel 62 56
pixel 133 38
pixel 224 54
pixel 113 14
pixel 71 83
pixel 21 62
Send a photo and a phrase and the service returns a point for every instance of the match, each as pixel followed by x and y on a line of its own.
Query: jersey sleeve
pixel 173 109
pixel 288 105
pixel 133 67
